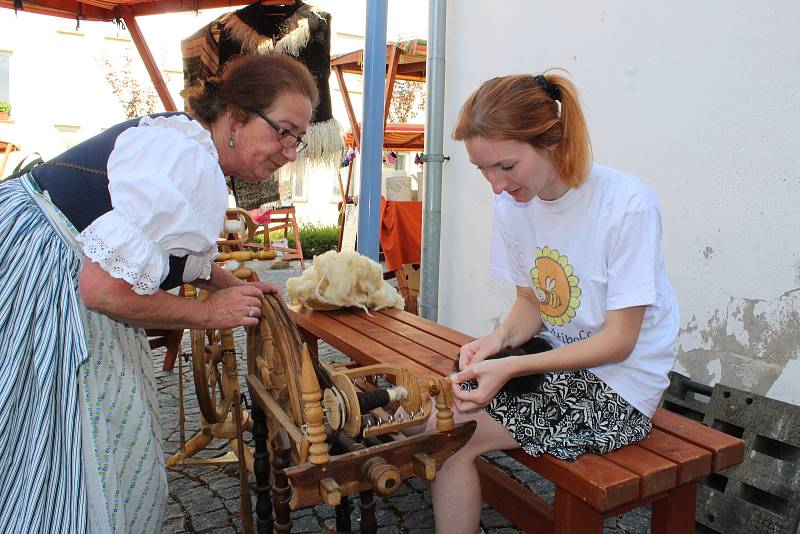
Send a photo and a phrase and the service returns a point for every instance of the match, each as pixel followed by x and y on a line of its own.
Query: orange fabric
pixel 401 233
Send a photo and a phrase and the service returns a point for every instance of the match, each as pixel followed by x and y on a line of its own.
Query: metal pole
pixel 434 157
pixel 369 202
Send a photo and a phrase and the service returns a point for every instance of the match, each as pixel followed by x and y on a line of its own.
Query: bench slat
pixel 726 450
pixel 354 344
pixel 411 350
pixel 693 462
pixel 599 482
pixel 656 473
pixel 425 325
pixel 435 343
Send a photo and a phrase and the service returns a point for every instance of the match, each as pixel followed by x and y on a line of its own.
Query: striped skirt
pixel 79 439
pixel 41 346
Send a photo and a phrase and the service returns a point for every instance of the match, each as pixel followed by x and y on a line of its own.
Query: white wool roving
pixel 343 279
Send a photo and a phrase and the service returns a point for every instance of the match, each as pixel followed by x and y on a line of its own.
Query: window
pixel 68 135
pixel 5 83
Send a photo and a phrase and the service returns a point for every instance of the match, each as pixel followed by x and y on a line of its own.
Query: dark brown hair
pixel 250 81
pixel 519 108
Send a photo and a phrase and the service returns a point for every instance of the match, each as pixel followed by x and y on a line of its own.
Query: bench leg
pixel 573 516
pixel 675 513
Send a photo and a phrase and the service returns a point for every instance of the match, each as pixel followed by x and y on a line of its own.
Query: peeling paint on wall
pixel 747 344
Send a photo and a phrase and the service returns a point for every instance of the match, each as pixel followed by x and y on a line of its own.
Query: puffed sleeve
pixel 168 196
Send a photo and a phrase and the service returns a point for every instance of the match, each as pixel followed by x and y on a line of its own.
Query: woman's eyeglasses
pixel 285 137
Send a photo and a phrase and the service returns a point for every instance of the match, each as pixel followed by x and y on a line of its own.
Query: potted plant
pixel 5 111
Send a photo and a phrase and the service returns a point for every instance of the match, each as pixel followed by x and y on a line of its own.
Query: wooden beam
pixel 176 6
pixel 391 75
pixel 63 8
pixel 147 57
pixel 348 105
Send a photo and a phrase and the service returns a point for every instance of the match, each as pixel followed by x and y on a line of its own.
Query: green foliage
pixel 316 239
pixel 5 107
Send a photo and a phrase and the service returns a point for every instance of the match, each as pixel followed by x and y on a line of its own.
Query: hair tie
pixel 210 84
pixel 551 90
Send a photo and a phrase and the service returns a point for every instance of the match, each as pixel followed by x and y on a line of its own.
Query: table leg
pixel 573 516
pixel 675 513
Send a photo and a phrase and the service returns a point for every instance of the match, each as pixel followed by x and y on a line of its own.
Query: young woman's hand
pixel 491 375
pixel 479 349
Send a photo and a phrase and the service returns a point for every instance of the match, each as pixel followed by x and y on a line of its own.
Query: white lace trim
pixel 190 128
pixel 124 252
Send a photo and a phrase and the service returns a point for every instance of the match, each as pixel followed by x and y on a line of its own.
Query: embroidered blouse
pixel 168 197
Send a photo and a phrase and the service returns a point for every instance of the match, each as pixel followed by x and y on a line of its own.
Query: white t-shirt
pixel 169 198
pixel 597 248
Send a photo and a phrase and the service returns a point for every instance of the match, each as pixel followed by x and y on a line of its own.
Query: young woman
pixel 581 243
pixel 89 243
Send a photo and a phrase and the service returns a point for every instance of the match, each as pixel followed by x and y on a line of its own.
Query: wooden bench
pixel 663 469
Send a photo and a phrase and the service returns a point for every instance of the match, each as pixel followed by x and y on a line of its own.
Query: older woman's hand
pixel 234 306
pixel 267 287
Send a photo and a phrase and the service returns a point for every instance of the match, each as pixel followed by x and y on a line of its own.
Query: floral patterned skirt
pixel 572 412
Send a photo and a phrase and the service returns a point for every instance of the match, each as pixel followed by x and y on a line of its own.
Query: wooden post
pixel 147 57
pixel 393 59
pixel 348 106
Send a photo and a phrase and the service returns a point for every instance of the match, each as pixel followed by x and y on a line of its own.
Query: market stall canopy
pixel 405 60
pixel 399 137
pixel 109 10
pixel 412 55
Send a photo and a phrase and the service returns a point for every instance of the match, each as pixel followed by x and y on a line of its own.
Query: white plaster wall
pixel 701 101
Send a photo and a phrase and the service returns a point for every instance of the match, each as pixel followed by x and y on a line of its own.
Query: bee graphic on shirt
pixel 548 296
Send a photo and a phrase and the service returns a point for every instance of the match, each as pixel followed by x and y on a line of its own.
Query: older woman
pixel 89 243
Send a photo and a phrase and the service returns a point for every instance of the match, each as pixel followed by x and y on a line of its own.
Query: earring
pixel 231 143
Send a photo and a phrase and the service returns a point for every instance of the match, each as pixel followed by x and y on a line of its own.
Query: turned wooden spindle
pixel 312 411
pixel 189 293
pixel 441 390
pixel 385 477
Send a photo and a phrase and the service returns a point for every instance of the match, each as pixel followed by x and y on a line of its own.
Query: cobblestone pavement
pixel 204 498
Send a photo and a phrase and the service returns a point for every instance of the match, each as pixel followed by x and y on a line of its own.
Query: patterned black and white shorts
pixel 572 412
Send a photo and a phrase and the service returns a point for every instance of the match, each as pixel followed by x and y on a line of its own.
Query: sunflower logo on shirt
pixel 555 286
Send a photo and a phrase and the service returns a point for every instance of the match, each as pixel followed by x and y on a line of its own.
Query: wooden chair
pixel 284 219
pixel 408 283
pixel 6 148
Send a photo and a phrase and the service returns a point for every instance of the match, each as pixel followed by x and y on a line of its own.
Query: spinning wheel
pixel 332 431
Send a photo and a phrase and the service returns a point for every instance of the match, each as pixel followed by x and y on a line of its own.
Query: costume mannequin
pixel 270 27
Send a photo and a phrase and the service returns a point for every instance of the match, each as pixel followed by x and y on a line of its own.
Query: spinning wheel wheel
pixel 212 375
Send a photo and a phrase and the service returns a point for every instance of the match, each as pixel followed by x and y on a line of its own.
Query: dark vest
pixel 77 182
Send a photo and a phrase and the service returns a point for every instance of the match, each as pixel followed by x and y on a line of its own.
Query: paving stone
pixel 419 519
pixel 211 522
pixel 408 503
pixel 491 519
pixel 306 524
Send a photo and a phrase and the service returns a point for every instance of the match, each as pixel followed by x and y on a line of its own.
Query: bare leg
pixel 456 492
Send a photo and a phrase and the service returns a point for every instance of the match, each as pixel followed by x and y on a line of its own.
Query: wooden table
pixel 663 469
